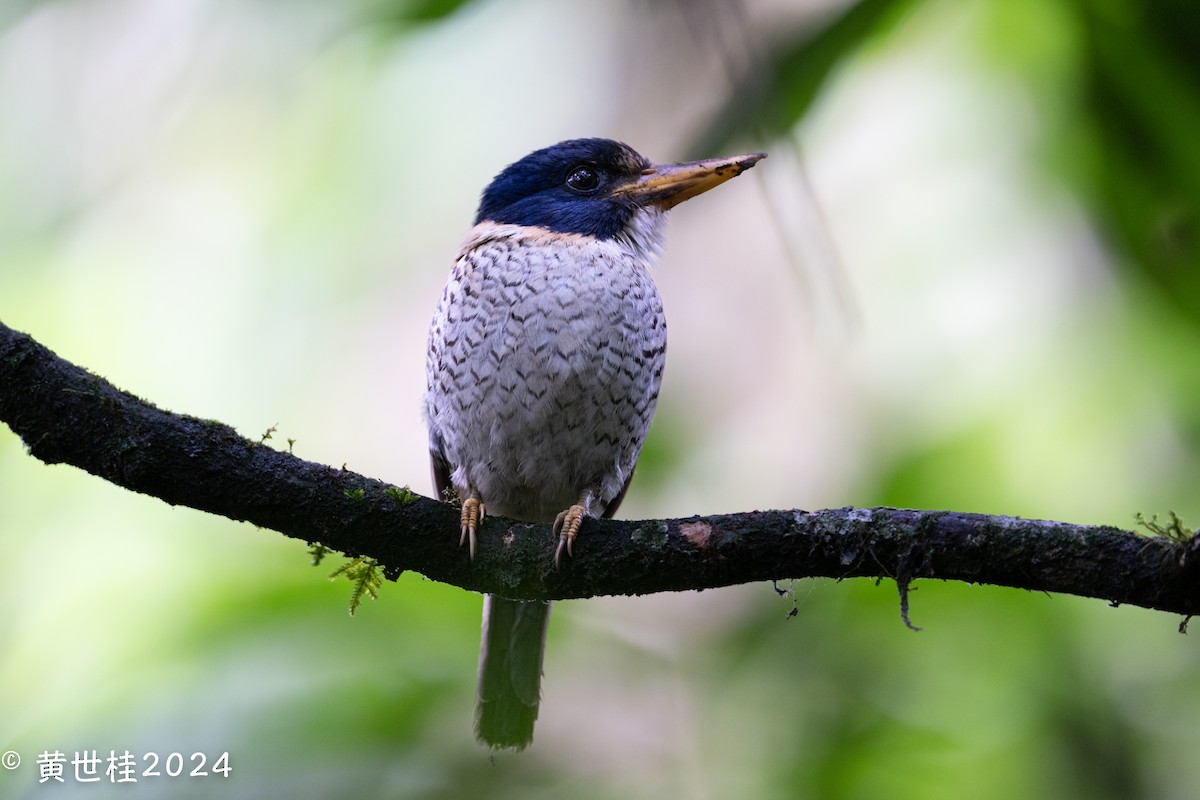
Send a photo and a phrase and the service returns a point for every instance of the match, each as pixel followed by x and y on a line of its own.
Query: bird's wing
pixel 440 468
pixel 611 508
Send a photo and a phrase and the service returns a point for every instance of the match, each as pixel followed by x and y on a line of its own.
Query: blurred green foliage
pixel 1141 101
pixel 775 92
pixel 244 211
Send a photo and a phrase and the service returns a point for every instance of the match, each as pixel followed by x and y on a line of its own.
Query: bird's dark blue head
pixel 570 187
pixel 597 187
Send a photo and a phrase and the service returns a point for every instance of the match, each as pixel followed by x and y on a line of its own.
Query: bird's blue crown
pixel 567 188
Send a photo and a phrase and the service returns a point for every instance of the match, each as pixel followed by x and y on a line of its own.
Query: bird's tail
pixel 510 671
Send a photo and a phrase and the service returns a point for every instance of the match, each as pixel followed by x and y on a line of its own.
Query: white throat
pixel 645 234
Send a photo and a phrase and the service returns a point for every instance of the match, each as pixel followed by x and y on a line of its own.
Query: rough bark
pixel 64 414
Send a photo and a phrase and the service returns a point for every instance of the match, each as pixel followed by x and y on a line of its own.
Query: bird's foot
pixel 566 528
pixel 473 512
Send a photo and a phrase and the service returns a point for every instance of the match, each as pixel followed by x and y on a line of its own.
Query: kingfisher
pixel 544 363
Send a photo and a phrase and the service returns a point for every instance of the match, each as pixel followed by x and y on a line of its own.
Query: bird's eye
pixel 583 179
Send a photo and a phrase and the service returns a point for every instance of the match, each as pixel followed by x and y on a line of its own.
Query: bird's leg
pixel 567 523
pixel 473 512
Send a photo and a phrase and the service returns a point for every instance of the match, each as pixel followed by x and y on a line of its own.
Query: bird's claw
pixel 473 513
pixel 566 528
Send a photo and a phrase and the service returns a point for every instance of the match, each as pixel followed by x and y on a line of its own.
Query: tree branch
pixel 66 415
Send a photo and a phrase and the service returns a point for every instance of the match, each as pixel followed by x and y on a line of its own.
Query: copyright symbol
pixel 11 759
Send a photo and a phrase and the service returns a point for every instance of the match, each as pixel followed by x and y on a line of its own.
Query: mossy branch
pixel 66 415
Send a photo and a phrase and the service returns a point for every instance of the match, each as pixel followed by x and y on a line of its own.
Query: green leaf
pixel 318 552
pixel 401 494
pixel 365 576
pixel 1173 529
pixel 398 15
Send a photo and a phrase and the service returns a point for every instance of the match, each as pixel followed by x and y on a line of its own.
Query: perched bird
pixel 545 358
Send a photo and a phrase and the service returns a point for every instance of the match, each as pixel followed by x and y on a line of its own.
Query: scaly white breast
pixel 545 359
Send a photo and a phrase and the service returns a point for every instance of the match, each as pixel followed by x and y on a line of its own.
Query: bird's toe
pixel 473 513
pixel 566 528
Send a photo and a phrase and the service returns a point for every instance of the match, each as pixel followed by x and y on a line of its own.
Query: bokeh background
pixel 968 277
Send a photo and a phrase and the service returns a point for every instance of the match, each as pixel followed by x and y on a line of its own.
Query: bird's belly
pixel 548 391
pixel 543 441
